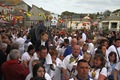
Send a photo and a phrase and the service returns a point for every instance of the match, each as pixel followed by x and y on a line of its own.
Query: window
pixel 113 25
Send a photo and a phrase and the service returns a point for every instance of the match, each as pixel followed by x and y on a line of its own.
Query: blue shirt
pixel 69 51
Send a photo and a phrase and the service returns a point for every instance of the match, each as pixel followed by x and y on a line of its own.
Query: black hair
pixel 82 60
pixel 66 41
pixel 35 68
pixel 31 47
pixel 112 53
pixel 117 39
pixel 42 48
pixel 102 41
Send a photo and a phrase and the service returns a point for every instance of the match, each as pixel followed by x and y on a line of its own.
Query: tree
pixel 67 13
pixel 107 13
pixel 115 11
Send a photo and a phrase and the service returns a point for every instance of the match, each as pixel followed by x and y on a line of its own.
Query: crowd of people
pixel 59 55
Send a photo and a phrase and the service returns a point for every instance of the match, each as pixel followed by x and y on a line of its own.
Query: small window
pixel 114 25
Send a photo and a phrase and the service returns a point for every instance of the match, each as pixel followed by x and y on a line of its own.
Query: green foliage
pixel 67 13
pixel 106 31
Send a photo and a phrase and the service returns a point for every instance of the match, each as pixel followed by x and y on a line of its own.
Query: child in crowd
pixel 43 41
pixel 87 57
pixel 112 62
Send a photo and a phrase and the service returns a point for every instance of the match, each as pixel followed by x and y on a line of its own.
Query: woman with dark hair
pixel 39 71
pixel 112 62
pixel 98 72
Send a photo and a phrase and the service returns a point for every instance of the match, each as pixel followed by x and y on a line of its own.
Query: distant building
pixel 77 23
pixel 37 14
pixel 112 23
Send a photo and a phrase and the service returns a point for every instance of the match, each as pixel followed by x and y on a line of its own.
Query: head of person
pixel 104 42
pixel 31 49
pixel 73 41
pixel 4 47
pixel 81 42
pixel 66 42
pixel 113 33
pixel 42 51
pixel 35 61
pixel 76 50
pixel 117 42
pixel 79 37
pixel 53 54
pixel 44 36
pixel 112 57
pixel 85 47
pixel 15 45
pixel 87 56
pixel 28 36
pixel 101 49
pixel 83 68
pixel 99 61
pixel 14 54
pixel 38 70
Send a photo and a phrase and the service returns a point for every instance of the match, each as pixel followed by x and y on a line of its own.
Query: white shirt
pixel 26 57
pixel 70 39
pixel 117 66
pixel 26 45
pixel 57 65
pixel 98 72
pixel 46 64
pixel 84 37
pixel 20 42
pixel 68 65
pixel 90 47
pixel 42 42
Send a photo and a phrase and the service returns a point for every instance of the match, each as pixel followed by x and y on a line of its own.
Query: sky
pixel 77 6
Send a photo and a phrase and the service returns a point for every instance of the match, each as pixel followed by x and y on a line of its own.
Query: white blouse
pixel 98 72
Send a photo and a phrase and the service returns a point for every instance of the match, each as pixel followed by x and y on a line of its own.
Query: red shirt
pixel 12 70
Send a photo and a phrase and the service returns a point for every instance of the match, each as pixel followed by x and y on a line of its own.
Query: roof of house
pixel 23 3
pixel 113 17
pixel 45 11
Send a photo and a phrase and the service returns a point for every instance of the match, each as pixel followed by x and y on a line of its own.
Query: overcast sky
pixel 77 6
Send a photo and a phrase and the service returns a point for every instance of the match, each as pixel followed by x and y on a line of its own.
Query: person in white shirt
pixel 84 37
pixel 83 70
pixel 99 71
pixel 29 54
pixel 36 65
pixel 20 41
pixel 70 62
pixel 90 45
pixel 43 56
pixel 117 71
pixel 115 48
